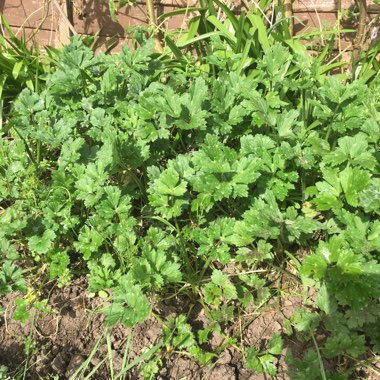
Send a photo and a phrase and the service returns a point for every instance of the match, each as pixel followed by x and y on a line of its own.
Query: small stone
pixel 95 361
pixel 74 364
pixel 225 357
pixel 59 363
pixel 117 361
pixel 216 340
pixel 224 372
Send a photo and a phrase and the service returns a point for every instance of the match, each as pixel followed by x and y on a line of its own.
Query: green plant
pixel 3 372
pixel 86 371
pixel 115 6
pixel 21 66
pixel 217 34
pixel 177 336
pixel 157 182
pixel 264 361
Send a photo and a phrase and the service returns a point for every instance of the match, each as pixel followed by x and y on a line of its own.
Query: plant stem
pixel 28 354
pixel 323 373
pixel 289 14
pixel 205 266
pixel 185 256
pixel 38 158
pixel 360 34
pixel 153 23
pixel 28 151
pixel 339 26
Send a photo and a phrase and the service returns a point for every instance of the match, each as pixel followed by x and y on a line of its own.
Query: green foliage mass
pixel 150 178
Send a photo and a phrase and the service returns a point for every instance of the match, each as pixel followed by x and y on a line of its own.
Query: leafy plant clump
pixel 152 182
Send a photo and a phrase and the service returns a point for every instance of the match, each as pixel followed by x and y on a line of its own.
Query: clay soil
pixel 65 338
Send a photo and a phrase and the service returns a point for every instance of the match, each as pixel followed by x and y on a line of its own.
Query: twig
pixel 51 29
pixel 262 12
pixel 369 363
pixel 46 8
pixel 319 22
pixel 273 12
pixel 26 20
pixel 182 28
pixel 64 18
pixel 361 32
pixel 153 25
pixel 339 25
pixel 289 14
pixel 348 47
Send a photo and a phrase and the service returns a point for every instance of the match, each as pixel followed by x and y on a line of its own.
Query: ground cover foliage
pixel 155 180
pixel 22 65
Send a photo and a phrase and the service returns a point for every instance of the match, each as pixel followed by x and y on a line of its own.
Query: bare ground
pixel 64 339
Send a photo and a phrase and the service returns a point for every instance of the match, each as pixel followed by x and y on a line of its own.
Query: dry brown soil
pixel 65 338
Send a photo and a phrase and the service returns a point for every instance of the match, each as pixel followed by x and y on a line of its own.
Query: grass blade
pixel 198 38
pixel 326 68
pixel 240 33
pixel 126 353
pixel 85 364
pixel 192 30
pixel 230 15
pixel 223 30
pixel 245 60
pixel 211 8
pixel 109 353
pixel 180 12
pixel 138 360
pixel 17 68
pixel 322 32
pixel 259 25
pixel 3 78
pixel 173 47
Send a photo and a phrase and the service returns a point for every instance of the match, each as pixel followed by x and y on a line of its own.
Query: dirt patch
pixel 74 335
pixel 180 368
pixel 63 340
